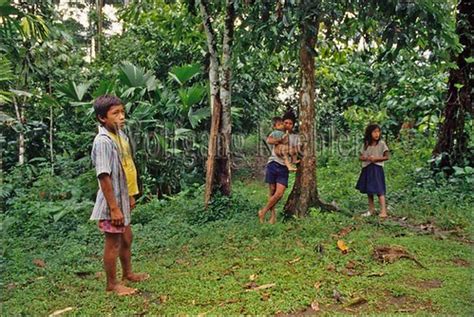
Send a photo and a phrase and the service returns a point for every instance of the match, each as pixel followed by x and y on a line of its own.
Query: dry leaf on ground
pixel 342 246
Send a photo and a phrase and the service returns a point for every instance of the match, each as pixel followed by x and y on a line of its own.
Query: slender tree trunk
pixel 219 162
pixel 224 161
pixel 99 5
pixel 51 128
pixel 216 104
pixel 21 135
pixel 453 140
pixel 305 193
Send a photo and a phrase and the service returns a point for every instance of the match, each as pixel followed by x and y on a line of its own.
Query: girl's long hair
pixel 368 134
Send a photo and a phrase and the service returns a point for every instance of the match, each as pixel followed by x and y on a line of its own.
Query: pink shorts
pixel 107 226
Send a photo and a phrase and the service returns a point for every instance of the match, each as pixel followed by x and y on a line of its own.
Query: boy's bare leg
pixel 126 258
pixel 111 253
pixel 383 207
pixel 273 210
pixel 273 200
pixel 261 214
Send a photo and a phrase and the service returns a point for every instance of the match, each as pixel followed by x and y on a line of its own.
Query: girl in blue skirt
pixel 372 179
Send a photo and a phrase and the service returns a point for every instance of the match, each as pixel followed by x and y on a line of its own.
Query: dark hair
pixel 275 120
pixel 103 103
pixel 368 134
pixel 289 114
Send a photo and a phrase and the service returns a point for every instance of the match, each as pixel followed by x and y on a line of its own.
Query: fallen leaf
pixel 357 301
pixel 294 260
pixel 317 285
pixel 99 275
pixel 342 246
pixel 39 263
pixel 250 285
pixel 253 277
pixel 265 296
pixel 258 288
pixel 62 311
pixel 315 306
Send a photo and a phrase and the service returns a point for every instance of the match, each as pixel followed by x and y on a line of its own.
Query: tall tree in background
pixel 305 191
pixel 218 166
pixel 99 7
pixel 453 141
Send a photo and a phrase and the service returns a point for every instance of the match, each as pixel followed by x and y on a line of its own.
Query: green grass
pixel 206 264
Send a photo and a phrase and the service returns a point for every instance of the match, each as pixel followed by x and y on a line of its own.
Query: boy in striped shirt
pixel 117 176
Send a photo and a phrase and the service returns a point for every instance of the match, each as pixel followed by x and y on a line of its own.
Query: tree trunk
pixel 453 141
pixel 305 193
pixel 219 163
pixel 224 161
pixel 99 5
pixel 21 135
pixel 51 127
pixel 216 104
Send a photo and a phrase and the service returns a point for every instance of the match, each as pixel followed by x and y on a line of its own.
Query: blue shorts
pixel 276 173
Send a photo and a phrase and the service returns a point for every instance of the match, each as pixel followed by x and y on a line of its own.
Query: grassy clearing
pixel 211 263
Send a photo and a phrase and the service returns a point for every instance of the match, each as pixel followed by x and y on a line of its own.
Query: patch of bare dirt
pixel 403 304
pixel 461 262
pixel 431 228
pixel 426 285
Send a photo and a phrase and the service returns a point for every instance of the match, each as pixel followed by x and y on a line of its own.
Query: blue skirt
pixel 372 180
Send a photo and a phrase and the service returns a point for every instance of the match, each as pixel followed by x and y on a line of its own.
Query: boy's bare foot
pixel 137 277
pixel 261 216
pixel 121 290
pixel 383 215
pixel 272 220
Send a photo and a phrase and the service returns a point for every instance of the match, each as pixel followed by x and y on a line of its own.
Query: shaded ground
pixel 290 269
pixel 225 262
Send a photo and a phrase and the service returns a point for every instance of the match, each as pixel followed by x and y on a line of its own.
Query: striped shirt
pixel 293 141
pixel 106 159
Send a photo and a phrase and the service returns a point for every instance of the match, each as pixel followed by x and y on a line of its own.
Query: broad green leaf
pixel 105 87
pixel 191 96
pixel 197 116
pixel 135 76
pixel 184 73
